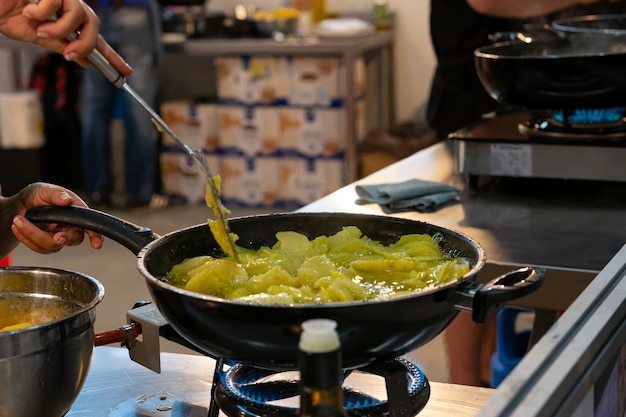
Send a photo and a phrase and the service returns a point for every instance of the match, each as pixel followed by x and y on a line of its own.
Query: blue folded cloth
pixel 414 194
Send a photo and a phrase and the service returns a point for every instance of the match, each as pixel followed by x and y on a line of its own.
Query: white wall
pixel 7 74
pixel 414 56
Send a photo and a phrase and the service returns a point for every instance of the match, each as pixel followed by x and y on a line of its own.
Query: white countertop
pixel 118 387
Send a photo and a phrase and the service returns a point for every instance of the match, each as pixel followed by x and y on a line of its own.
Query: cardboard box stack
pixel 197 125
pixel 282 128
pixel 277 136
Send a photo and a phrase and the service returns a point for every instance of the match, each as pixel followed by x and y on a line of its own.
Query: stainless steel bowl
pixel 43 367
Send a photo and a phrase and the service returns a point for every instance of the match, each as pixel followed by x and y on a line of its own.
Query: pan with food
pixel 266 334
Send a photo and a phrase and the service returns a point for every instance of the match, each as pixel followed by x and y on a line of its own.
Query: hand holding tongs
pixel 110 73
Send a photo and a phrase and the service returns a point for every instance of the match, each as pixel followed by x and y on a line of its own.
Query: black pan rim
pixel 469 276
pixel 570 24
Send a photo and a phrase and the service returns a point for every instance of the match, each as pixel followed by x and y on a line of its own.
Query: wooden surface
pixel 118 387
pixel 455 400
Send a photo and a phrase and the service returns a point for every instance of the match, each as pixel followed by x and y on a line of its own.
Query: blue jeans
pixel 130 32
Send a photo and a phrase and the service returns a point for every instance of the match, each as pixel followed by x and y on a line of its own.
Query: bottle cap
pixel 319 336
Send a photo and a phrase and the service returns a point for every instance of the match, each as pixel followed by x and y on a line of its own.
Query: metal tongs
pixel 102 65
pixel 110 73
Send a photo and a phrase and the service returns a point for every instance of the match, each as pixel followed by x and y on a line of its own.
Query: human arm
pixel 43 238
pixel 28 22
pixel 522 9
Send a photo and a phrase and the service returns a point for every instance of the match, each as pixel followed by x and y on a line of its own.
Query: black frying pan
pixel 267 335
pixel 574 70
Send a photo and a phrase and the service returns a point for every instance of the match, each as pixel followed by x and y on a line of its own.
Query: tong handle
pixel 105 68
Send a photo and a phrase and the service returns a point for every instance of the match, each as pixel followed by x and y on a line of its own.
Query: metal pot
pixel 569 72
pixel 267 335
pixel 43 367
pixel 596 25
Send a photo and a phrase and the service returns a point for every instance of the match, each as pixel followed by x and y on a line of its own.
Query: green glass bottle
pixel 382 17
pixel 319 360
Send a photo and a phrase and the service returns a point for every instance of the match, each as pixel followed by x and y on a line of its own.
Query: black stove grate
pixel 244 391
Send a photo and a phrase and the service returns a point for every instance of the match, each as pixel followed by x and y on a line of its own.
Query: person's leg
pixel 141 136
pixel 97 110
pixel 98 101
pixel 469 346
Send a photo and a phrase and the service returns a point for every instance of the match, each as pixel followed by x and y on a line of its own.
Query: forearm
pixel 521 9
pixel 8 210
pixel 30 22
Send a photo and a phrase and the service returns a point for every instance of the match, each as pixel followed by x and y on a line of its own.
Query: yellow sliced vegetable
pixel 218 227
pixel 15 327
pixel 346 266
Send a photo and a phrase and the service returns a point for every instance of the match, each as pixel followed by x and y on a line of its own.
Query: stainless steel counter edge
pixel 306 46
pixel 571 238
pixel 558 376
pixel 516 229
pixel 244 46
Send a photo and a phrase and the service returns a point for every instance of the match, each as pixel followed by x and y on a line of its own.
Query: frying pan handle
pixel 124 335
pixel 129 235
pixel 484 301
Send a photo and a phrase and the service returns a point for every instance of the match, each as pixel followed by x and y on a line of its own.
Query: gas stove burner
pixel 609 123
pixel 589 117
pixel 242 390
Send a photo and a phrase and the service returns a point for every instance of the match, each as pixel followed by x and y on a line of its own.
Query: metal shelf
pixel 375 47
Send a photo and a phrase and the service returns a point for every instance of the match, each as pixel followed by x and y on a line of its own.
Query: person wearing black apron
pixel 457 99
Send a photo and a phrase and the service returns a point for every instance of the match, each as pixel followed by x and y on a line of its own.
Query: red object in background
pixel 6 261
